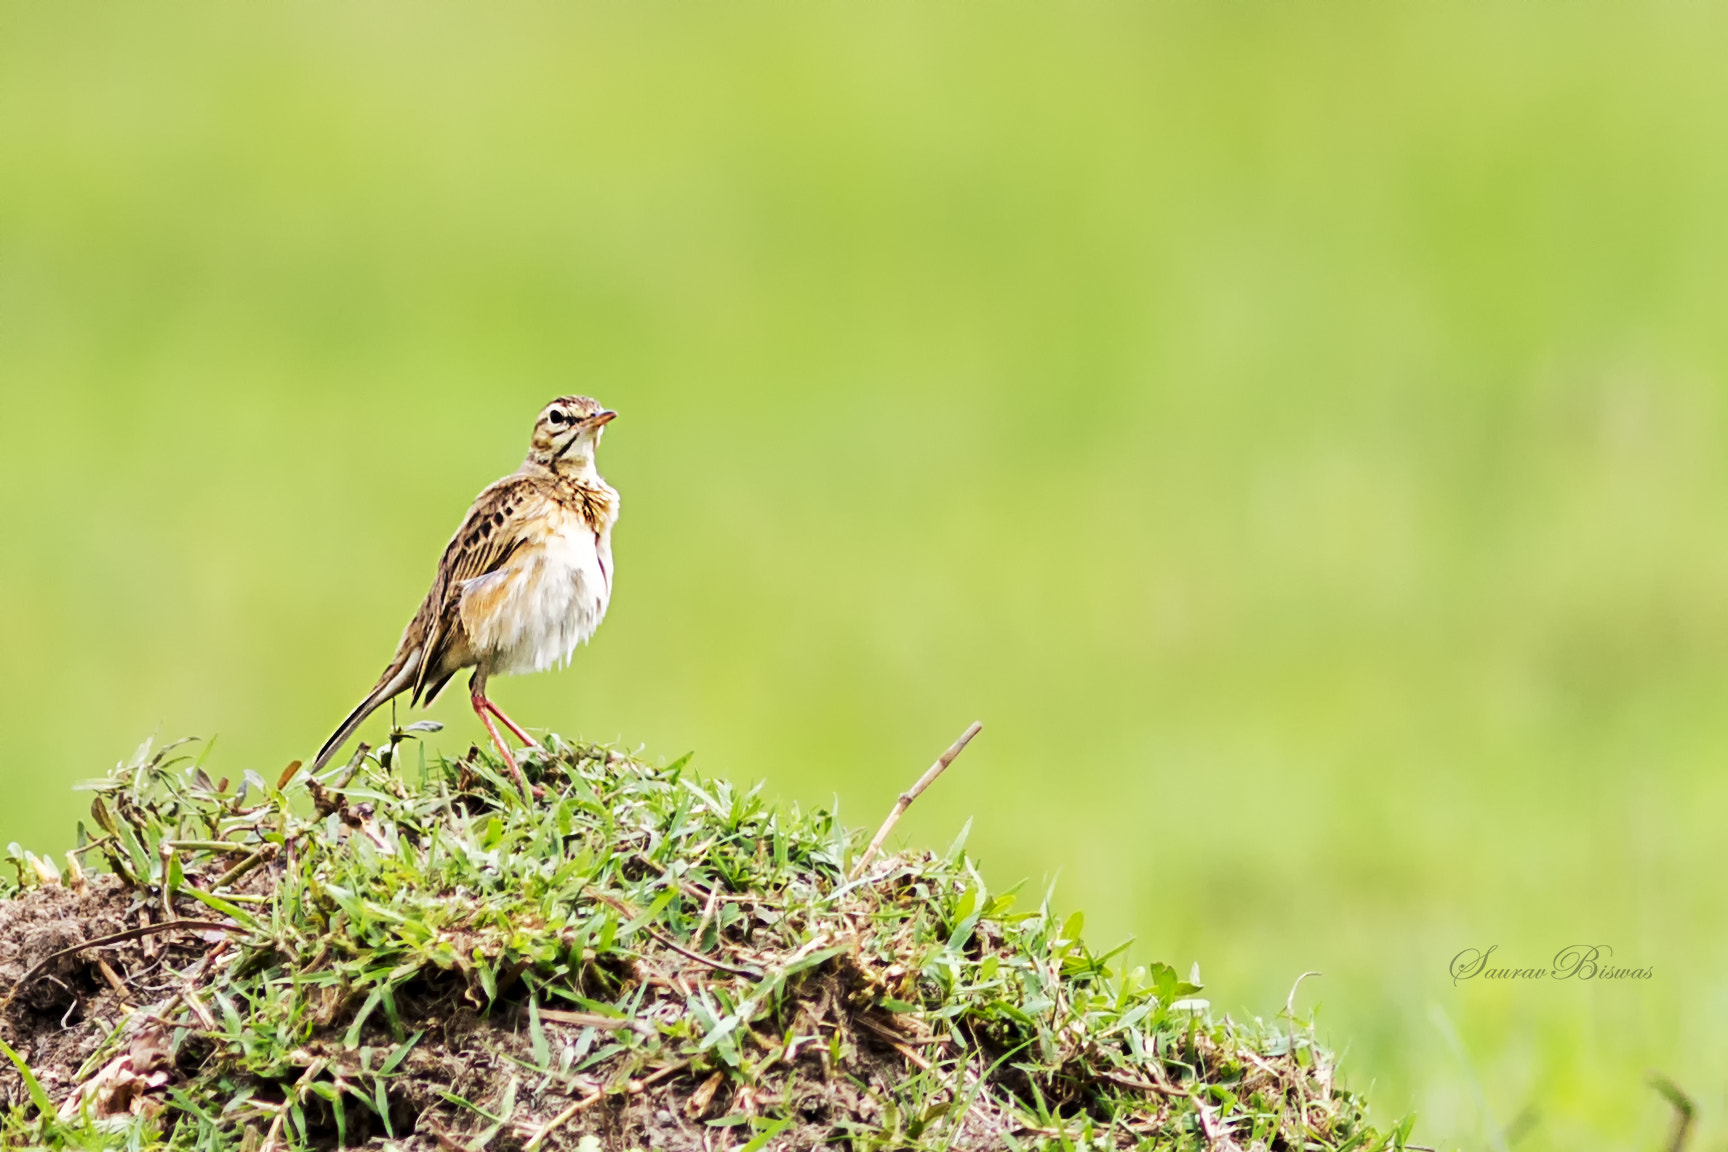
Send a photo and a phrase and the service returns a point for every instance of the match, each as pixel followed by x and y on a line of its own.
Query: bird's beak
pixel 605 416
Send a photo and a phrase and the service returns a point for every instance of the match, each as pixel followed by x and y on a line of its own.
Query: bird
pixel 525 579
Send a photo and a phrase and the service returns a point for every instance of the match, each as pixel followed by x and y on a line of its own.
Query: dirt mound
pixel 640 958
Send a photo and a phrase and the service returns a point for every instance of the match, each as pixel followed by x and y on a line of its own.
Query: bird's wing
pixel 496 526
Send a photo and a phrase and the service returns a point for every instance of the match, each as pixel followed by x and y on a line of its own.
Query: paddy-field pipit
pixel 526 578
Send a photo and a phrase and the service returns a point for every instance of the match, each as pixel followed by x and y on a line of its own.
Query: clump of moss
pixel 412 956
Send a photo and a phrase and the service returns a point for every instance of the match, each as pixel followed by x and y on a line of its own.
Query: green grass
pixel 1299 432
pixel 636 934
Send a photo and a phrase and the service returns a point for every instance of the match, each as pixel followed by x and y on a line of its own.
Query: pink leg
pixel 510 724
pixel 481 704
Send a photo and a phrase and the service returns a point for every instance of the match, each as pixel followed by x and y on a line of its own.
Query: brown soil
pixel 62 1016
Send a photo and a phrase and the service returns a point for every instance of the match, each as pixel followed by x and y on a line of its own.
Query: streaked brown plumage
pixel 526 578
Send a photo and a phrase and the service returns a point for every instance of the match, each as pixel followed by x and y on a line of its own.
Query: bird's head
pixel 568 432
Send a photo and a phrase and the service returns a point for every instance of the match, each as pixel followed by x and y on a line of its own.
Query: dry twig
pixel 896 1042
pixel 113 979
pixel 116 938
pixel 582 1019
pixel 558 1120
pixel 261 856
pixel 912 794
pixel 698 957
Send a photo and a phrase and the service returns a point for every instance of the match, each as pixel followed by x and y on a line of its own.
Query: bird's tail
pixel 393 681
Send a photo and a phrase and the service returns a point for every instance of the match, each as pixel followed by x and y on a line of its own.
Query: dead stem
pixel 557 1121
pixel 906 798
pixel 116 938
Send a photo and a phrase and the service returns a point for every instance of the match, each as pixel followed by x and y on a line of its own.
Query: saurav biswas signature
pixel 1573 962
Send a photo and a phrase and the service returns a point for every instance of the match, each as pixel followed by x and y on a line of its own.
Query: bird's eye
pixel 556 417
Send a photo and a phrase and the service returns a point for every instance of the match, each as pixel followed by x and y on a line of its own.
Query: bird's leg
pixel 510 724
pixel 477 697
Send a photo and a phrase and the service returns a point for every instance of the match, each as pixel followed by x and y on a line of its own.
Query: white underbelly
pixel 542 603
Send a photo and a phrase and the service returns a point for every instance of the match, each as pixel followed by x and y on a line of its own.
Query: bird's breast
pixel 546 599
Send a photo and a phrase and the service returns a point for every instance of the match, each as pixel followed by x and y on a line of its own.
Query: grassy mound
pixel 411 956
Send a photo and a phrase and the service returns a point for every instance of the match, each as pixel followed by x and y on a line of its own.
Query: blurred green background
pixel 1297 431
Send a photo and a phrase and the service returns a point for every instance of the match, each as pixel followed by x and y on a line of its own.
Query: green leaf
pixel 381 1105
pixel 470 1105
pixel 769 1130
pixel 1072 927
pixel 351 1039
pixel 400 1053
pixel 649 916
pixel 339 1109
pixel 227 908
pixel 190 1106
pixel 959 845
pixel 811 961
pixel 537 1036
pixel 38 1095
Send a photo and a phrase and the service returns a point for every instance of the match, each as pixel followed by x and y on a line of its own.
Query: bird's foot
pixel 482 708
pixel 526 739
